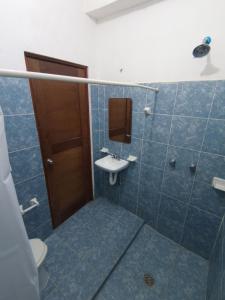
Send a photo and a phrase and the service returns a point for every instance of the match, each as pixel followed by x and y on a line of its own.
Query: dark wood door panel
pixel 62 115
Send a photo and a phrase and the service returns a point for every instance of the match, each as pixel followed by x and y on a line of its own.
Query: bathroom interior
pixel 112 150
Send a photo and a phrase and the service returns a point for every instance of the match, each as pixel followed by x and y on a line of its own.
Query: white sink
pixel 112 165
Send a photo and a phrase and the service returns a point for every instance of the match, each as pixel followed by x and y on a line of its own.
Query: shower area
pixel 156 229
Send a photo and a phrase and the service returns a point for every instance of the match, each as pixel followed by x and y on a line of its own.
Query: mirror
pixel 120 119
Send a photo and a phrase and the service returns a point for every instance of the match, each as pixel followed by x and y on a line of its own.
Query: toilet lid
pixel 39 250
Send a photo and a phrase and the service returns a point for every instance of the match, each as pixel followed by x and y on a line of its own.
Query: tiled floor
pixel 103 252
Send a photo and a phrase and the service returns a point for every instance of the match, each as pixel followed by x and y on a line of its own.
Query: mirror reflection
pixel 120 119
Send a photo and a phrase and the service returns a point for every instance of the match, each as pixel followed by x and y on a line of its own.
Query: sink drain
pixel 149 280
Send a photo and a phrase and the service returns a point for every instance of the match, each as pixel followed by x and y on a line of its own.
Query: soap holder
pixel 132 158
pixel 104 150
pixel 218 183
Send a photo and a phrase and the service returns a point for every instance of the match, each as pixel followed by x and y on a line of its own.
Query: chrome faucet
pixel 115 156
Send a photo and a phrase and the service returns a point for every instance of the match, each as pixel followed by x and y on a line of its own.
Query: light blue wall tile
pixel 148 204
pixel 194 98
pixel 188 132
pixel 38 216
pixel 128 196
pixel 209 199
pixel 131 174
pixel 199 231
pixel 138 121
pixel 218 108
pixel 184 159
pixel 151 178
pixel 215 274
pixel 171 218
pixel 112 92
pixel 101 97
pixel 210 166
pixel 21 132
pixel 95 120
pixel 26 164
pixel 138 97
pixel 154 154
pixel 157 128
pixel 15 96
pixel 35 187
pixel 215 137
pixel 177 187
pixel 132 149
pixel 163 101
pixel 94 97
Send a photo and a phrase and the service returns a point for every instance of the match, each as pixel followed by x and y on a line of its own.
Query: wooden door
pixel 62 115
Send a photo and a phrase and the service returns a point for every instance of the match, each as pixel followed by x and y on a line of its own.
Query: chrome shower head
pixel 203 49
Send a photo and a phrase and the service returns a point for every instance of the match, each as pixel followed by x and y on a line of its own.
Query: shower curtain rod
pixel 46 76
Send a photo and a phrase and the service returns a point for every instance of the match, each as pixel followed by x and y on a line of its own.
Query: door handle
pixel 50 162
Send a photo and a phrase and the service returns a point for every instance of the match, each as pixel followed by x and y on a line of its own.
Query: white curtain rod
pixel 46 76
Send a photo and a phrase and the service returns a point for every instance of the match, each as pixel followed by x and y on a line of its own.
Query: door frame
pixel 28 55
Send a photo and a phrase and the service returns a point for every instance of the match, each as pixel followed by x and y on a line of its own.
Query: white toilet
pixel 40 250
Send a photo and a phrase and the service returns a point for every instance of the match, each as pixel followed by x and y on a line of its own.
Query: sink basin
pixel 112 165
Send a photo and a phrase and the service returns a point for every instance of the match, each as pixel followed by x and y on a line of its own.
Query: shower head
pixel 203 49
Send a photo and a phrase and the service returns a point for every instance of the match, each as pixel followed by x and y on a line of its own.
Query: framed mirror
pixel 120 119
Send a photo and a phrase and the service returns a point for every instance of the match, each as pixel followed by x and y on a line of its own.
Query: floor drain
pixel 149 280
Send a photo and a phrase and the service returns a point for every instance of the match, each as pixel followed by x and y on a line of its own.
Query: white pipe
pixel 112 178
pixel 46 76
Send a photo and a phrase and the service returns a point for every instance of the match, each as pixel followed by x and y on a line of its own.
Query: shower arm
pixel 46 76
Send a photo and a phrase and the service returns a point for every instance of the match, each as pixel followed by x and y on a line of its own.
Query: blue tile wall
pixel 186 124
pixel 24 154
pixel 216 275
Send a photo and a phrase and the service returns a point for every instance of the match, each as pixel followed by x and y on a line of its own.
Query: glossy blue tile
pixel 215 137
pixel 128 196
pixel 35 187
pixel 210 166
pixel 44 230
pixel 131 149
pixel 177 187
pixel 184 159
pixel 138 121
pixel 194 98
pixel 131 174
pixel 94 97
pixel 114 147
pixel 200 231
pixel 15 96
pixel 207 198
pixel 151 178
pixel 38 216
pixel 95 119
pixel 154 154
pixel 215 268
pixel 218 108
pixel 157 128
pixel 102 119
pixel 99 232
pixel 26 164
pixel 150 253
pixel 187 132
pixel 171 218
pixel 148 205
pixel 113 92
pixel 21 132
pixel 138 97
pixel 101 97
pixel 189 277
pixel 163 101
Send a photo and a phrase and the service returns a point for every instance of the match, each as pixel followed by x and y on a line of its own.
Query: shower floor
pixel 103 252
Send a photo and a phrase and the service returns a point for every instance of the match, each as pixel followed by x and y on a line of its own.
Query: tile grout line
pixel 23 149
pixel 141 154
pixel 166 156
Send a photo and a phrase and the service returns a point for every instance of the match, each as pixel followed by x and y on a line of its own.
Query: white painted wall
pixel 155 43
pixel 56 28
